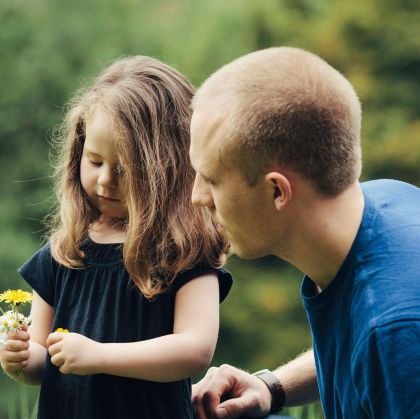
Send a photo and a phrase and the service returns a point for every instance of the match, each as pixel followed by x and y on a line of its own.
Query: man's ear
pixel 281 187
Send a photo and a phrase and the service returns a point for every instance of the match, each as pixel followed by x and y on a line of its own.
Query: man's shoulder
pixel 381 188
pixel 390 204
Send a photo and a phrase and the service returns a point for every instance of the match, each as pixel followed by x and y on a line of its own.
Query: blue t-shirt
pixel 366 323
pixel 102 303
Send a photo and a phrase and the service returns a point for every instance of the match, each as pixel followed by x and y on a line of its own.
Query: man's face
pixel 240 212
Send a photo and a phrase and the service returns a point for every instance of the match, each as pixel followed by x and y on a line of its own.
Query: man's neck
pixel 328 235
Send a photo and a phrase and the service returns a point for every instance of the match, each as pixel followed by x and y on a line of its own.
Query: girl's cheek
pixel 86 174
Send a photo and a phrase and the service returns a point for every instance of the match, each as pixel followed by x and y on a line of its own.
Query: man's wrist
pixel 274 386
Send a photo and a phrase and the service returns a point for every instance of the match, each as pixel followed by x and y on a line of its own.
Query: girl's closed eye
pixel 93 158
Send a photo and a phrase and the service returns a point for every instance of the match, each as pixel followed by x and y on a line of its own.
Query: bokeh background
pixel 49 48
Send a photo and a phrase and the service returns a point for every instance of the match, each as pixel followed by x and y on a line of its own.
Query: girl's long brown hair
pixel 149 103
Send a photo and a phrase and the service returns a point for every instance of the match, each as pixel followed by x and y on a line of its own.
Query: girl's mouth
pixel 108 198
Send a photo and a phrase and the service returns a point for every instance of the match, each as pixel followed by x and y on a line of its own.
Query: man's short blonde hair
pixel 287 107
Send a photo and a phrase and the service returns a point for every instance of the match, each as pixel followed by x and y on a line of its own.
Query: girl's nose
pixel 201 195
pixel 107 177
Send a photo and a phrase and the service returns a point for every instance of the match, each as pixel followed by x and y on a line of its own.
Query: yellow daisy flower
pixel 16 297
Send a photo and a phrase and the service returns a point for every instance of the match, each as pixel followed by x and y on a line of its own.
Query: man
pixel 275 142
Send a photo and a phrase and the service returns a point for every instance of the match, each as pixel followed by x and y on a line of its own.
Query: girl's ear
pixel 281 187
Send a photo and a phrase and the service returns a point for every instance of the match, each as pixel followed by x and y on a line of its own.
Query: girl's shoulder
pixel 41 256
pixel 224 277
pixel 39 272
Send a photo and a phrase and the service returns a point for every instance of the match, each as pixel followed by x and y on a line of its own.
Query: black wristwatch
pixel 276 389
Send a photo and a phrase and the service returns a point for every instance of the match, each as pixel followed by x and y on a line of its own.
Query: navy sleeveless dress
pixel 102 303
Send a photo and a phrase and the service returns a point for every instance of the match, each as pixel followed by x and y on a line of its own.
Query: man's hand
pixel 74 354
pixel 227 392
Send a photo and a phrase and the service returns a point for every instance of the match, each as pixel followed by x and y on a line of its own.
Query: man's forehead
pixel 208 126
pixel 205 139
pixel 205 115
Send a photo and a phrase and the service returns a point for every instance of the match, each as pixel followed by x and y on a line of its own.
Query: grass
pixel 310 411
pixel 22 405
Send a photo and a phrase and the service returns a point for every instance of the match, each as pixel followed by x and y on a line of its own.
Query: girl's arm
pixel 167 358
pixel 23 358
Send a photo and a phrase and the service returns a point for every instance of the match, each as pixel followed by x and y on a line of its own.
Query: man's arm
pixel 298 378
pixel 386 370
pixel 227 392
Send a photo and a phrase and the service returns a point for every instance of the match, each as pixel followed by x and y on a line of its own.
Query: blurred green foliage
pixel 51 48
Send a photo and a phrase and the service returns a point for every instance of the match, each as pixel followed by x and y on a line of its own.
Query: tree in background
pixel 49 48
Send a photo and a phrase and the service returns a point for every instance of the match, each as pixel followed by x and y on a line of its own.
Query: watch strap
pixel 276 389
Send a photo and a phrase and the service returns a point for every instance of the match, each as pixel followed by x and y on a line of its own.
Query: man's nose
pixel 201 194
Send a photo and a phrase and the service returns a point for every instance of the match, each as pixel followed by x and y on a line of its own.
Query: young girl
pixel 131 267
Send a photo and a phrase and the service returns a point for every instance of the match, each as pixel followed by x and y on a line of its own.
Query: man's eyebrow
pixel 204 176
pixel 207 178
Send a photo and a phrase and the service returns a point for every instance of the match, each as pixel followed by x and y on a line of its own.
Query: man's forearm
pixel 298 378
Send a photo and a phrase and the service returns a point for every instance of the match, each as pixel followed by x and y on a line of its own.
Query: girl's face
pixel 99 167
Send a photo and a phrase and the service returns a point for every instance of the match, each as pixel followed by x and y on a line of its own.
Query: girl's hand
pixel 73 353
pixel 14 356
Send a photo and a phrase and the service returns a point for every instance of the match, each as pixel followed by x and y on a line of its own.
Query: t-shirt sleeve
pixel 38 272
pixel 387 371
pixel 224 276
